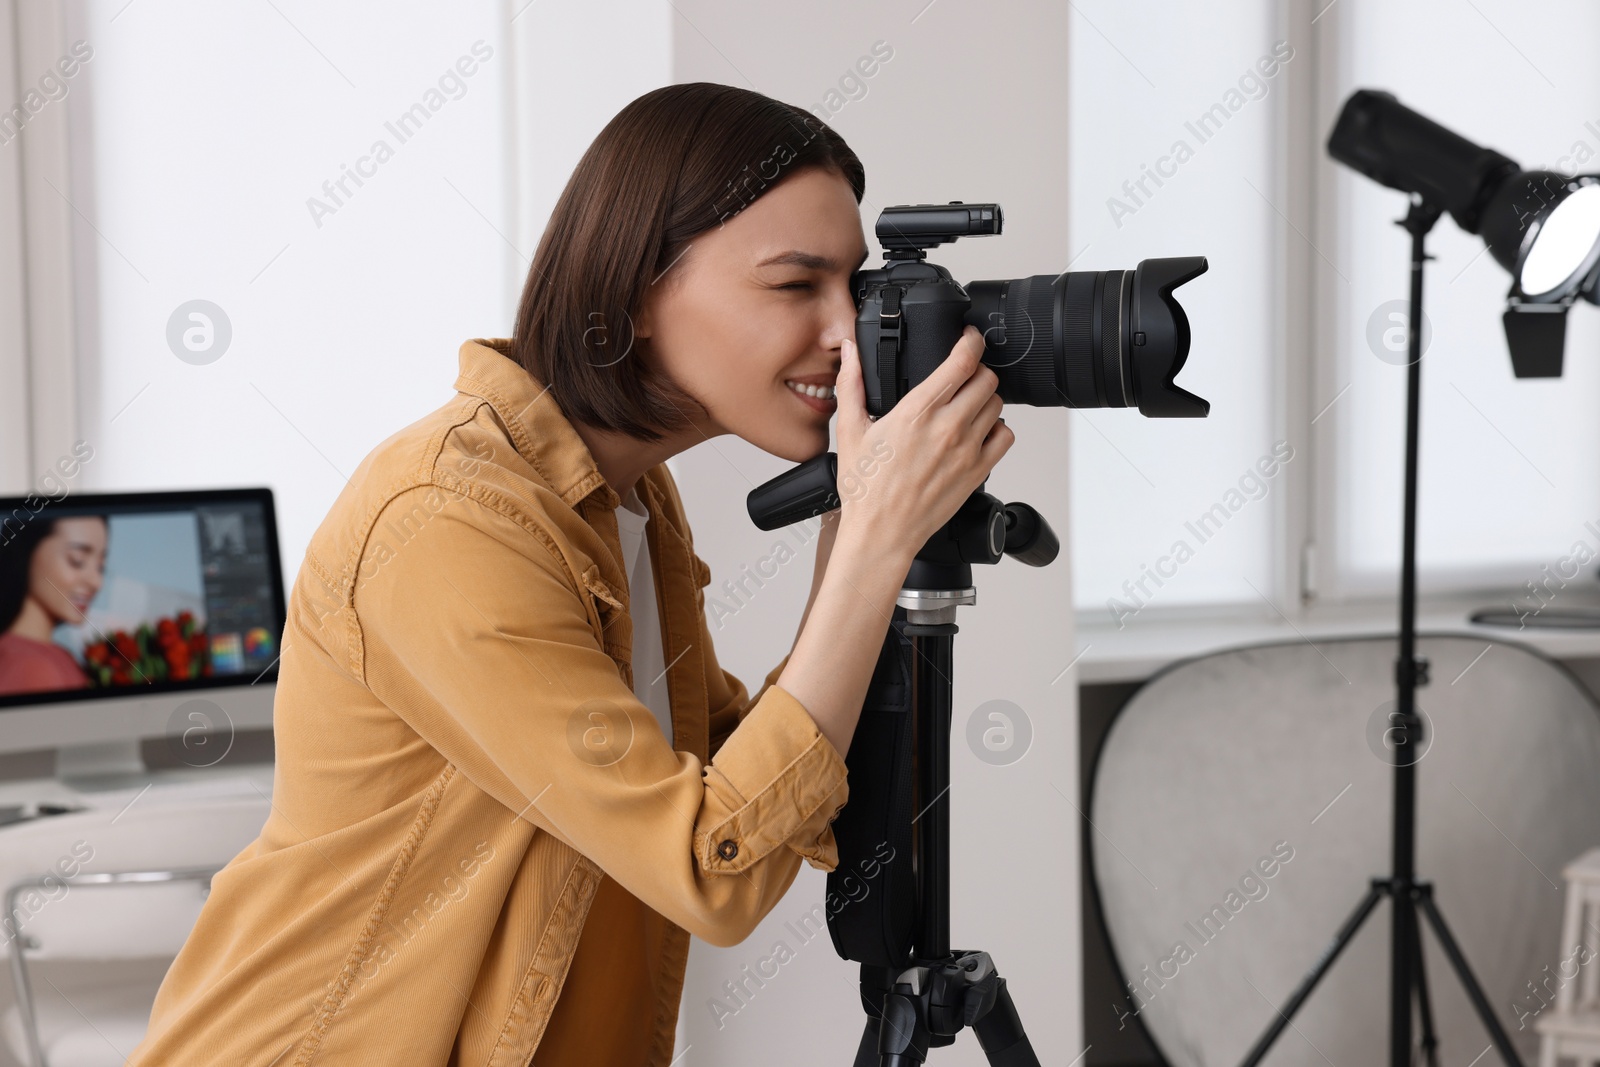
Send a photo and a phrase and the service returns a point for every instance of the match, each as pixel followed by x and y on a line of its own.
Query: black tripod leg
pixel 1000 1033
pixel 1430 1040
pixel 1452 951
pixel 903 1032
pixel 874 986
pixel 867 1051
pixel 1318 969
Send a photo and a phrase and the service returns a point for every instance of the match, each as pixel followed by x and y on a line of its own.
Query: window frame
pixel 38 334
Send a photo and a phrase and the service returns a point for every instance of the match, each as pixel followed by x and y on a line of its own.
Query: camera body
pixel 910 313
pixel 1078 339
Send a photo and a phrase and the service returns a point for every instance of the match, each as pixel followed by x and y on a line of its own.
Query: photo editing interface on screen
pixel 119 595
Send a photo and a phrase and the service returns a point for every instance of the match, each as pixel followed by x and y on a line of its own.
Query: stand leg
pixel 1000 1033
pixel 903 1031
pixel 1430 1040
pixel 1320 968
pixel 867 1051
pixel 1401 980
pixel 876 983
pixel 877 993
pixel 1452 951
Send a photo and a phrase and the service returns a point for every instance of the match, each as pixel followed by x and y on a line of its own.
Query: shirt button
pixel 728 849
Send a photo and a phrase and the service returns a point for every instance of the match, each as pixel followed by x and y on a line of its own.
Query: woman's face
pixel 68 568
pixel 763 300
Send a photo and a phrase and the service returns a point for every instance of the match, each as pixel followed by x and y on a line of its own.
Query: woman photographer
pixel 512 778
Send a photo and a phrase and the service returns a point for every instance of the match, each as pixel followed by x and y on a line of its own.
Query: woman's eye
pixel 796 285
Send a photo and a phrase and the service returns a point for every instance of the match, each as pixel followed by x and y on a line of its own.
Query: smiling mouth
pixel 816 392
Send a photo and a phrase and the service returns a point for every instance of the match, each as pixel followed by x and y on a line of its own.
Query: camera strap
pixel 889 377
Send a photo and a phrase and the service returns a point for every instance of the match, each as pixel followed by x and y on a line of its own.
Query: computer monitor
pixel 126 616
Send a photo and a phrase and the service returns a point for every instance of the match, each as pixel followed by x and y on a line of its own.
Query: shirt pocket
pixel 702 578
pixel 605 605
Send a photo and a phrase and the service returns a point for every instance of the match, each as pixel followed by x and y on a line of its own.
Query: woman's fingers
pixel 995 445
pixel 928 453
pixel 947 379
pixel 985 416
pixel 850 393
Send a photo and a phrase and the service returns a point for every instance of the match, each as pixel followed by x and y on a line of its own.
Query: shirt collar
pixel 534 420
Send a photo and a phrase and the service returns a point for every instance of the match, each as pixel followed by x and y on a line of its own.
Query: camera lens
pixel 1090 339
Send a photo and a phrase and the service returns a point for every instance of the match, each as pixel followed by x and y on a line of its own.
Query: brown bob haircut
pixel 671 165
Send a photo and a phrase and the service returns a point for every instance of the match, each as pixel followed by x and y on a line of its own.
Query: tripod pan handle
pixel 806 490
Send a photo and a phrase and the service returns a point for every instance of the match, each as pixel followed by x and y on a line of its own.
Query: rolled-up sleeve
pixel 475 634
pixel 815 839
pixel 783 717
pixel 727 697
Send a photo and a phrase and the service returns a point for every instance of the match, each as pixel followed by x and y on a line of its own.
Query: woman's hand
pixel 900 479
pixel 903 476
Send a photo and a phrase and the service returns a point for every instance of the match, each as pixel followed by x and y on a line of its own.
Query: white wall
pixel 970 107
pixel 576 66
pixel 344 326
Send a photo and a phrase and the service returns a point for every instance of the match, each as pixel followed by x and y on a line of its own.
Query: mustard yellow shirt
pixel 471 808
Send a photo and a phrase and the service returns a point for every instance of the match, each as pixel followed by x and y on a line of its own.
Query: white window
pixel 1297 324
pixel 1173 125
pixel 1508 475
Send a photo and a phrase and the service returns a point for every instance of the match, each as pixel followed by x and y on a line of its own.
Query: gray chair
pixel 88 948
pixel 1218 761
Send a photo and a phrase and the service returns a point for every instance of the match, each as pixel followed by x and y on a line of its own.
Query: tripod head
pixel 981 531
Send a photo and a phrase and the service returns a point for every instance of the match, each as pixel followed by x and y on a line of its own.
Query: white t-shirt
pixel 649 660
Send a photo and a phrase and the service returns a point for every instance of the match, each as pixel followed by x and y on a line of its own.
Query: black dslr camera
pixel 1081 339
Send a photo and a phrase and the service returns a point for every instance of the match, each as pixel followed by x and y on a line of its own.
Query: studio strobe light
pixel 1541 226
pixel 1544 228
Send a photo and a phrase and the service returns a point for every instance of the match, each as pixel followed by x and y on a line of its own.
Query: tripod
pixel 917 991
pixel 1408 895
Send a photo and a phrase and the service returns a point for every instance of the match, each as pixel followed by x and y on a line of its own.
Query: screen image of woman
pixel 49 574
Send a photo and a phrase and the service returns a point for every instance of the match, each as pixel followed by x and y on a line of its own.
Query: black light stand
pixel 1407 894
